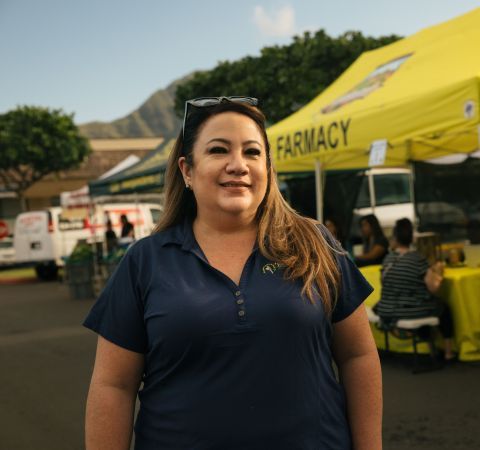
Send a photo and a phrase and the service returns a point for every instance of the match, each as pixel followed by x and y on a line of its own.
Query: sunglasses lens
pixel 211 101
pixel 250 100
pixel 202 102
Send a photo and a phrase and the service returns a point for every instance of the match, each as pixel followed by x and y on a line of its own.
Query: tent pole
pixel 319 190
pixel 416 221
pixel 371 190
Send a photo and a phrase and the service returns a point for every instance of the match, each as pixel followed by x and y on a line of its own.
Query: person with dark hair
pixel 403 233
pixel 333 225
pixel 110 237
pixel 405 289
pixel 127 227
pixel 375 244
pixel 231 312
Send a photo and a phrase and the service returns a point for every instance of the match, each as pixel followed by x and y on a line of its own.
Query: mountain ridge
pixel 155 117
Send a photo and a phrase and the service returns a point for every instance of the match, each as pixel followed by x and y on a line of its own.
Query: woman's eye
pixel 253 151
pixel 217 150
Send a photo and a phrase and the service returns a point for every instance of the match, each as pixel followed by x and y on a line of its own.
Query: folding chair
pixel 410 329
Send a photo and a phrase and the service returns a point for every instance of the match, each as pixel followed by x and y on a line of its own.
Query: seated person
pixel 334 227
pixel 405 293
pixel 375 244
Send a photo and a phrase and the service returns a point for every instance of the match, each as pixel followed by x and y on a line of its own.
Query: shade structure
pixel 419 96
pixel 81 197
pixel 147 175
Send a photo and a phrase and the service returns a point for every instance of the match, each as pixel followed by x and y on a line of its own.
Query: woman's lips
pixel 233 184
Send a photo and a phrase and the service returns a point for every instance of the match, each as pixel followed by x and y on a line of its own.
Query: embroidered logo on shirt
pixel 271 268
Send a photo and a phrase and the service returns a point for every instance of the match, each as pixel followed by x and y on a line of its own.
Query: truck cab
pixel 387 193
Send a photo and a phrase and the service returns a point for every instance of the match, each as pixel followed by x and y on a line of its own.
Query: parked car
pixel 46 238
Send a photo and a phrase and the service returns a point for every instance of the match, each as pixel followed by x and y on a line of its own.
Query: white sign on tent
pixel 378 153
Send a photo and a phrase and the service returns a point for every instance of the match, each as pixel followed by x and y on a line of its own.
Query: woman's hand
pixel 434 277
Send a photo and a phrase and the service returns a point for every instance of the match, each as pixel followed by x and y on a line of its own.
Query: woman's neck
pixel 236 229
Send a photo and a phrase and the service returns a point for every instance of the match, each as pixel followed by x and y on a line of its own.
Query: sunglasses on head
pixel 203 102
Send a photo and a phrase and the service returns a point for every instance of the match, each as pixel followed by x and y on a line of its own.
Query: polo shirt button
pixel 241 313
pixel 240 301
pixel 237 293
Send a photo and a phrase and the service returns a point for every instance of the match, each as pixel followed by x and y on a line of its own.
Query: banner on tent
pixel 139 183
pixel 313 140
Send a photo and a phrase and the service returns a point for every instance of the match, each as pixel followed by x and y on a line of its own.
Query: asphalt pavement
pixel 46 358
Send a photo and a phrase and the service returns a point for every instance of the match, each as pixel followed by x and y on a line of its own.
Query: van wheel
pixel 47 272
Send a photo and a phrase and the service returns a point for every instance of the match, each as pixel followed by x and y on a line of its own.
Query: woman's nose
pixel 237 163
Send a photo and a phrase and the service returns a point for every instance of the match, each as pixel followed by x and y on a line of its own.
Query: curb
pixel 21 280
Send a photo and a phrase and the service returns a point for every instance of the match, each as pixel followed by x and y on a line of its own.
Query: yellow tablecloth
pixel 461 291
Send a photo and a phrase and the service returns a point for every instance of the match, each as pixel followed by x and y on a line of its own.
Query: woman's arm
pixel 111 398
pixel 377 251
pixel 357 359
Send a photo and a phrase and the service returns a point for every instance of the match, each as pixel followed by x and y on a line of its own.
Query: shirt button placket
pixel 240 306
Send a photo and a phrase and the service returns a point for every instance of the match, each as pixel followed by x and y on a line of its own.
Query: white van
pixel 46 237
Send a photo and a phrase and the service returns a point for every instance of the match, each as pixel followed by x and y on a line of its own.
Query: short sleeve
pixel 354 288
pixel 118 314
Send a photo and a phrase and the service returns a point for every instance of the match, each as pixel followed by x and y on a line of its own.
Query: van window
pixel 6 243
pixel 391 189
pixel 363 200
pixel 156 213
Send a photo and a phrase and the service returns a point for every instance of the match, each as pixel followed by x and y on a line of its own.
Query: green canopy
pixel 147 175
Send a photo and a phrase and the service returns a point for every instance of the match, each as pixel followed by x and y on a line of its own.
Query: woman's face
pixel 229 173
pixel 365 229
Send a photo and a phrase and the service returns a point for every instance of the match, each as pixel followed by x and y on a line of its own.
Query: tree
pixel 283 78
pixel 34 142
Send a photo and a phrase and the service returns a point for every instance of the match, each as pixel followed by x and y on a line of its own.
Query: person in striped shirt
pixel 405 293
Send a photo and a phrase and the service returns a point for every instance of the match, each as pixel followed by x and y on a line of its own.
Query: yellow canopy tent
pixel 419 95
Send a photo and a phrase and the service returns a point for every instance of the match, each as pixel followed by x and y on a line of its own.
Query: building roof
pixel 117 144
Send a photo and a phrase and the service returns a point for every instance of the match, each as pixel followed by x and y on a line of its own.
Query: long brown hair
pixel 283 235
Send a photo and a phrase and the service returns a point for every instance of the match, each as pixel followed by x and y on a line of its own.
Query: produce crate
pixel 79 277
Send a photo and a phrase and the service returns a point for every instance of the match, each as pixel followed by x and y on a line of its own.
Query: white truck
pixel 387 193
pixel 45 238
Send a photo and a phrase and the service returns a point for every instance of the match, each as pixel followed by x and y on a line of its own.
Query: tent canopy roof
pixel 420 94
pixel 146 175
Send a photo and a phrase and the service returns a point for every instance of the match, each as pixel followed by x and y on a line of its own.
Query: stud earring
pixel 187 186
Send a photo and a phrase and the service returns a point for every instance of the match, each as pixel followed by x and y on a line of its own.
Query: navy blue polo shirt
pixel 227 367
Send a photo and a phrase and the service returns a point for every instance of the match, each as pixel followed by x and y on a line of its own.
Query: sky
pixel 101 59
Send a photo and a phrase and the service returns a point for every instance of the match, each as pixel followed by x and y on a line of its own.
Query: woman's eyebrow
pixel 252 141
pixel 225 141
pixel 228 142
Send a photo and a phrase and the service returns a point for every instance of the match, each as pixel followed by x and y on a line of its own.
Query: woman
pixel 128 231
pixel 333 225
pixel 405 291
pixel 231 312
pixel 375 244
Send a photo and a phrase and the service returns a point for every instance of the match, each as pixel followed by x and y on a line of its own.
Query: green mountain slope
pixel 155 117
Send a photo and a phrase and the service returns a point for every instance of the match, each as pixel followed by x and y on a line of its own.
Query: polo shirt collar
pixel 182 234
